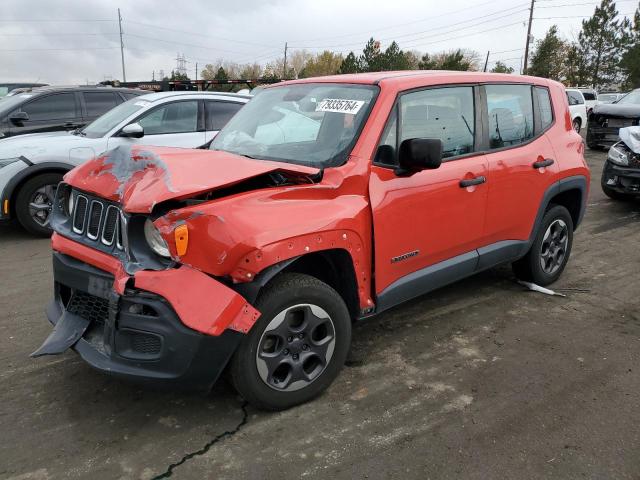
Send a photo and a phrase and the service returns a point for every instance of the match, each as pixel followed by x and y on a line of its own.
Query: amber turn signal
pixel 182 239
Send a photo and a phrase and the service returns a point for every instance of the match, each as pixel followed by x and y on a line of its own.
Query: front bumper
pixel 621 179
pixel 135 335
pixel 602 136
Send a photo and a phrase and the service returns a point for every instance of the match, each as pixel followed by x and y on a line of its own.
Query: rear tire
pixel 551 248
pixel 296 348
pixel 34 203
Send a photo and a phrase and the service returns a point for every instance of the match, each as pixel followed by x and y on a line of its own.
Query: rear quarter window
pixel 546 108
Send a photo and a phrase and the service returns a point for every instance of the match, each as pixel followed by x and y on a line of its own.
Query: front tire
pixel 296 348
pixel 551 248
pixel 34 203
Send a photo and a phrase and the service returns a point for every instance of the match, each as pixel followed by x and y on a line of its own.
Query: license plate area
pixel 618 123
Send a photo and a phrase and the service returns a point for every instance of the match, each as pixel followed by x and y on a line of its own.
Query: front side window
pixel 308 124
pixel 546 111
pixel 98 103
pixel 58 106
pixel 219 113
pixel 176 117
pixel 510 109
pixel 440 113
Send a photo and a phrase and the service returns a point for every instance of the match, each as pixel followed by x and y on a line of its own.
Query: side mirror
pixel 417 154
pixel 133 130
pixel 18 118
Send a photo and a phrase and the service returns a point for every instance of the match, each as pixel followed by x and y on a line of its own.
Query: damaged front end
pixel 125 308
pixel 621 173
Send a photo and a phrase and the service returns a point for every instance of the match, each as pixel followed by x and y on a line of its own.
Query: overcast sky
pixel 77 41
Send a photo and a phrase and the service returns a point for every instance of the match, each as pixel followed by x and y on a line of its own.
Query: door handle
pixel 472 181
pixel 544 163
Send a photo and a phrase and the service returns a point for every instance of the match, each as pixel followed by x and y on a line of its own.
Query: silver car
pixel 32 165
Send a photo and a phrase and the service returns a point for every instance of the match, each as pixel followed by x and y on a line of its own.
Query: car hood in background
pixel 617 110
pixel 36 144
pixel 140 177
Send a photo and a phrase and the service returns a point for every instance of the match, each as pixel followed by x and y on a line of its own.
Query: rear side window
pixel 510 109
pixel 443 113
pixel 219 113
pixel 589 96
pixel 98 103
pixel 546 110
pixel 58 106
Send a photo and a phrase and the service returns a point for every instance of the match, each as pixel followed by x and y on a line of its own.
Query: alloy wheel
pixel 41 204
pixel 554 246
pixel 296 347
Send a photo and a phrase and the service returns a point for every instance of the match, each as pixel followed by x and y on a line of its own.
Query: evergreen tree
pixel 630 61
pixel 372 60
pixel 600 40
pixel 221 74
pixel 548 59
pixel 350 64
pixel 394 59
pixel 501 68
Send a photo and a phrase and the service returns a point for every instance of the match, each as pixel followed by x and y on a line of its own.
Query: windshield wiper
pixel 77 131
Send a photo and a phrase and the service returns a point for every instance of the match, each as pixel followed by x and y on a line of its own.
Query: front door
pixel 428 225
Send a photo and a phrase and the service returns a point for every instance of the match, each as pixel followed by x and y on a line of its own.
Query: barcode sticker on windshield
pixel 338 105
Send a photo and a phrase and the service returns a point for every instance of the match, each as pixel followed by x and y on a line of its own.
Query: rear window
pixel 588 96
pixel 575 98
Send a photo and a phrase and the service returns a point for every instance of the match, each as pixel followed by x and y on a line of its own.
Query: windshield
pixel 632 98
pixel 107 122
pixel 308 124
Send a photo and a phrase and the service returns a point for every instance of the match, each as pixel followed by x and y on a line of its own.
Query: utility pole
pixel 196 71
pixel 284 68
pixel 486 62
pixel 124 75
pixel 526 48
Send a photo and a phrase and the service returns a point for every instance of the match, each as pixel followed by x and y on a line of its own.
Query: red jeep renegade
pixel 322 202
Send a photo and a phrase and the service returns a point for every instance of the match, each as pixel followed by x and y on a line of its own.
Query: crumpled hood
pixel 140 177
pixel 38 143
pixel 617 110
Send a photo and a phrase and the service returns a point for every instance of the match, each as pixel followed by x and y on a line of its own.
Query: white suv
pixel 578 109
pixel 32 165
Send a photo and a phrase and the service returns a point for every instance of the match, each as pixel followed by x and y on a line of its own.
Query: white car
pixel 32 165
pixel 590 98
pixel 578 109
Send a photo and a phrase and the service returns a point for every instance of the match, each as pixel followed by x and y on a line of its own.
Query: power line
pixel 196 34
pixel 435 28
pixel 55 49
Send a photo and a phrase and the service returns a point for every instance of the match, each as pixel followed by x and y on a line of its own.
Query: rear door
pixel 217 114
pixel 428 218
pixel 49 112
pixel 521 159
pixel 174 124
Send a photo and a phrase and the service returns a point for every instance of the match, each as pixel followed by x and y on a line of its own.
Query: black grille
pixel 97 220
pixel 79 213
pixel 110 225
pixel 89 307
pixel 95 217
pixel 145 344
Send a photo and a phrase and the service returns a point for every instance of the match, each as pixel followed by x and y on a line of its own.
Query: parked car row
pixel 32 165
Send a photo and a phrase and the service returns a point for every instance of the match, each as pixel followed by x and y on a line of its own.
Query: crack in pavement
pixel 169 471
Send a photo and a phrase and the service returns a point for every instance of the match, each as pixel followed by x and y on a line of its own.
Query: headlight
pixel 618 156
pixel 8 161
pixel 155 240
